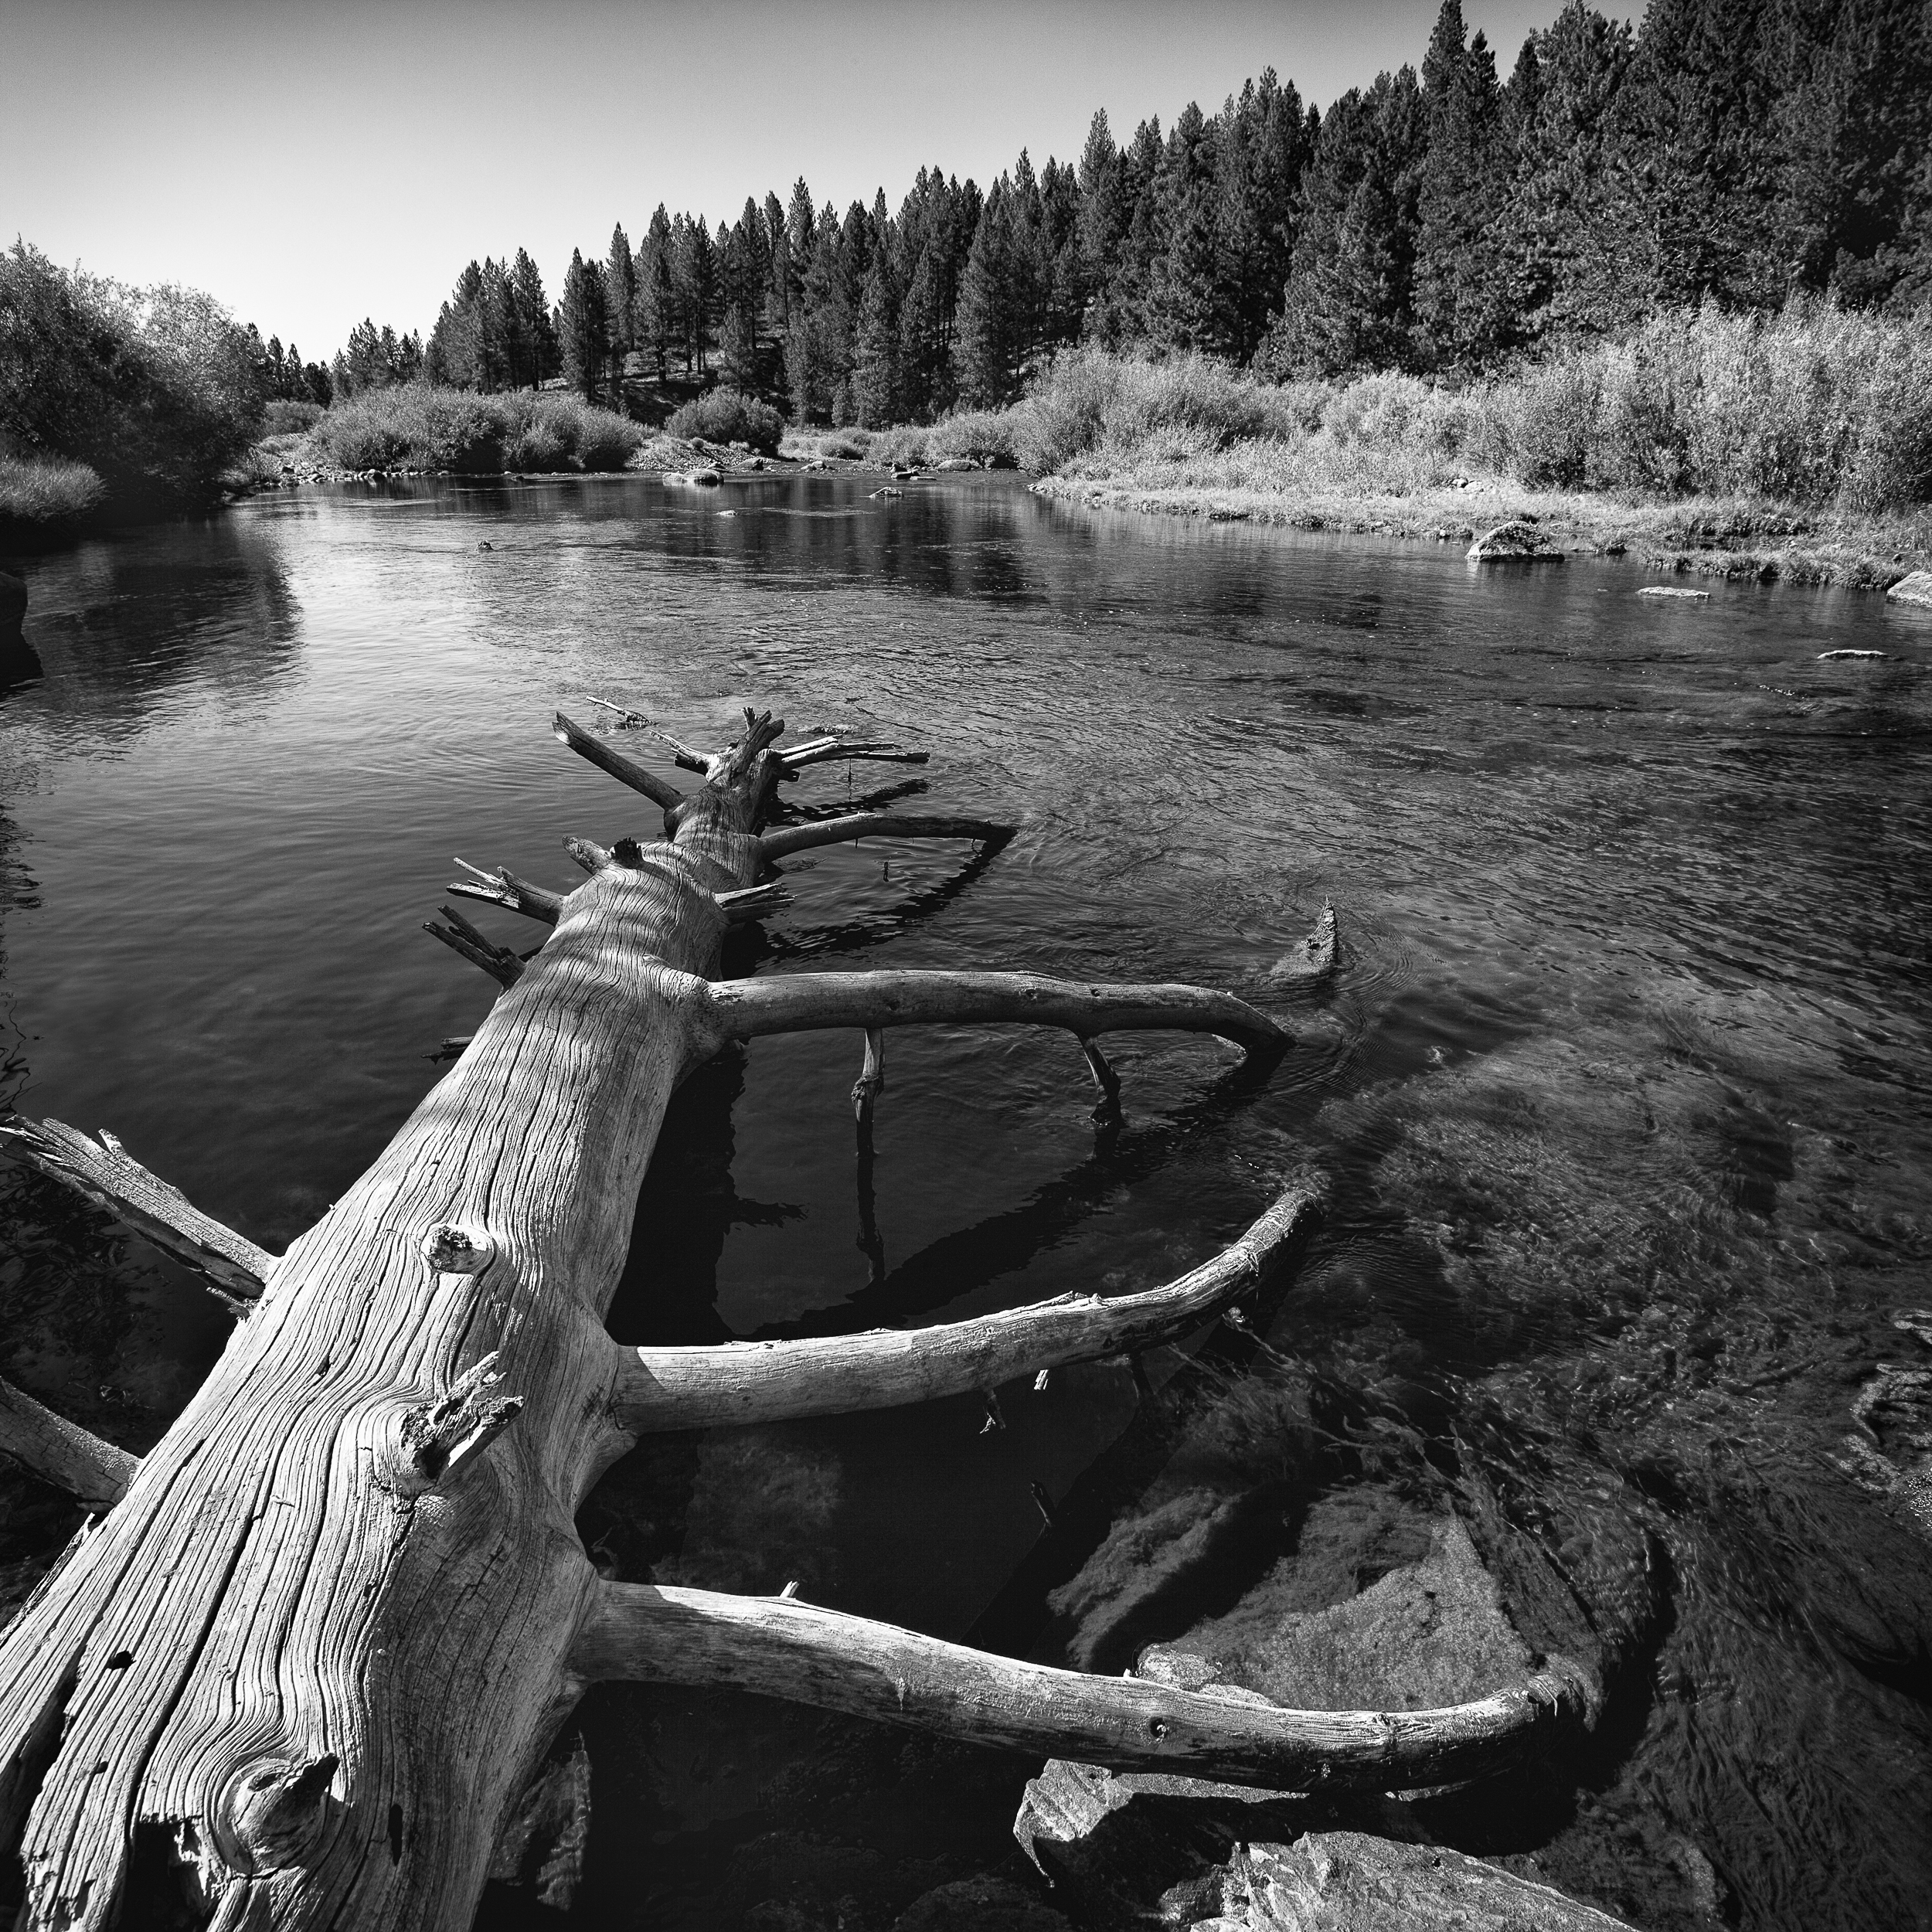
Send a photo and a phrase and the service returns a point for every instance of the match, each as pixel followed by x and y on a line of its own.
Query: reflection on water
pixel 1618 1089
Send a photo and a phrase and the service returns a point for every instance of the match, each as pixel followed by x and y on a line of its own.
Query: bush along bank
pixel 1797 447
pixel 116 404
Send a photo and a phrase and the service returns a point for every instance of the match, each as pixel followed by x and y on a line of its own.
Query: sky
pixel 309 164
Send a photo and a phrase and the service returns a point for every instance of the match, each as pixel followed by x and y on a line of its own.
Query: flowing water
pixel 1619 1087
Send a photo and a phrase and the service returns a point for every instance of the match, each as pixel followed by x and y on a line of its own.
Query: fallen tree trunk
pixel 322 1640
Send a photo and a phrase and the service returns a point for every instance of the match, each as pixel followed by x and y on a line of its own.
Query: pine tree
pixel 620 293
pixel 1188 303
pixel 653 326
pixel 925 359
pixel 876 401
pixel 534 347
pixel 1565 238
pixel 1350 301
pixel 583 327
pixel 987 350
pixel 1465 184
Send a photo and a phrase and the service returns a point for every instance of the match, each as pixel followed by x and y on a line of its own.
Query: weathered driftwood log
pixel 320 1643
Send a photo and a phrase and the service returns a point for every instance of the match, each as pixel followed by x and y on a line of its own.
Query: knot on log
pixel 273 1813
pixel 450 1249
pixel 437 1439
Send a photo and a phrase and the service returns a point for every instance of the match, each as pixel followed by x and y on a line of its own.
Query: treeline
pixel 1440 222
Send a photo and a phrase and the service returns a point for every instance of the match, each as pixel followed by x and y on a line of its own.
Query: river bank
pixel 1728 537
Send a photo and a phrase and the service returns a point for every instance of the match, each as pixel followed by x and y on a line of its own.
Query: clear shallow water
pixel 1619 1086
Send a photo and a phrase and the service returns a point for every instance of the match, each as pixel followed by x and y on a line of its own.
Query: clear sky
pixel 309 163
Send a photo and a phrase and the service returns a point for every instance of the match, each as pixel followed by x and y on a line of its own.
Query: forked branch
pixel 143 1202
pixel 502 887
pixel 703 1388
pixel 802 1002
pixel 61 1452
pixel 780 1647
pixel 876 825
pixel 815 751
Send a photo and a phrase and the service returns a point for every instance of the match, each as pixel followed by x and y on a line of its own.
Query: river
pixel 1620 1087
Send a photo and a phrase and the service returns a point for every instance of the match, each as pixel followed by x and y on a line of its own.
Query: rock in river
pixel 1514 542
pixel 1915 589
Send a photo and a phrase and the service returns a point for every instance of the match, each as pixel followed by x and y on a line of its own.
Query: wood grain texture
pixel 780 1647
pixel 692 1388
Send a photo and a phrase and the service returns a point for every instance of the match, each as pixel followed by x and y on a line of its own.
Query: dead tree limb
pixel 1312 960
pixel 502 887
pixel 746 1382
pixel 802 1002
pixel 61 1452
pixel 877 751
pixel 142 1201
pixel 780 1647
pixel 460 935
pixel 627 771
pixel 876 825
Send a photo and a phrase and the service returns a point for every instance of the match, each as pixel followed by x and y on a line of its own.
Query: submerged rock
pixel 1827 657
pixel 980 1905
pixel 1675 590
pixel 1347 1882
pixel 1915 589
pixel 1515 541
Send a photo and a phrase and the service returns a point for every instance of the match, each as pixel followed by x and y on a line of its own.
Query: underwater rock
pixel 542 1843
pixel 1347 1882
pixel 1675 590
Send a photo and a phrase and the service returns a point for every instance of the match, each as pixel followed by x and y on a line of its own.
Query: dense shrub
pixel 979 436
pixel 40 495
pixel 730 415
pixel 413 426
pixel 282 416
pixel 154 390
pixel 1815 406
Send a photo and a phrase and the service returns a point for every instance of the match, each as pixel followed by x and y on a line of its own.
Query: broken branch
pixel 746 1382
pixel 460 935
pixel 61 1452
pixel 625 770
pixel 875 825
pixel 110 1178
pixel 801 1002
pixel 816 751
pixel 502 887
pixel 781 1648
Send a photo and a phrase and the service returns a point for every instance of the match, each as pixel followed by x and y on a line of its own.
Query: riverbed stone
pixel 1676 592
pixel 1514 541
pixel 1350 1881
pixel 1915 589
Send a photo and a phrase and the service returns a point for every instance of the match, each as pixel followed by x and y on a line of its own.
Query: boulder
pixel 1515 542
pixel 982 1904
pixel 1348 1881
pixel 1915 589
pixel 1683 595
pixel 953 464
